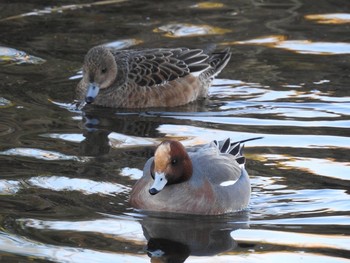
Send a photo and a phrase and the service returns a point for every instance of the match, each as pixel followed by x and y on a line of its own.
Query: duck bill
pixel 92 93
pixel 159 183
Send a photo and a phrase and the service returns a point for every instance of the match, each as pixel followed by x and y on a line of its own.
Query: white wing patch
pixel 228 183
pixel 197 73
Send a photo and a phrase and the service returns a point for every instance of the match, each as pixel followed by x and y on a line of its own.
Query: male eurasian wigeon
pixel 162 77
pixel 208 179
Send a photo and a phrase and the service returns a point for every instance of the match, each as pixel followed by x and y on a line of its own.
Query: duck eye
pixel 104 70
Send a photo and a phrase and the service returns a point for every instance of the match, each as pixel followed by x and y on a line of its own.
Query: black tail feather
pixel 234 148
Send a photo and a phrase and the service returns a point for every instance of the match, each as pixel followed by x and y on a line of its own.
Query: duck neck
pixel 185 174
pixel 188 168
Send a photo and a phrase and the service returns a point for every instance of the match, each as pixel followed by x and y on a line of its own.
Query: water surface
pixel 66 174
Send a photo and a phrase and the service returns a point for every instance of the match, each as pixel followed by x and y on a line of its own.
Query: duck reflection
pixel 175 239
pixel 96 143
pixel 98 123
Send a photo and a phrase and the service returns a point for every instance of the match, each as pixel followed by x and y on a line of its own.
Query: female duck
pixel 141 78
pixel 207 180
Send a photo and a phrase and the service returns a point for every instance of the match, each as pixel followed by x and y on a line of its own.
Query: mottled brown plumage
pixel 141 78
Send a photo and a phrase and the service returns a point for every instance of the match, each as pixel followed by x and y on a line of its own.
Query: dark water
pixel 66 175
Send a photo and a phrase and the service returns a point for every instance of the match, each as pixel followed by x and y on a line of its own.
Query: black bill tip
pixel 89 100
pixel 153 191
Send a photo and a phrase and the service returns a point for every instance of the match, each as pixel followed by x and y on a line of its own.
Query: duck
pixel 142 78
pixel 208 179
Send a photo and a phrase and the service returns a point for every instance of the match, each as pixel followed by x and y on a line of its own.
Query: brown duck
pixel 164 77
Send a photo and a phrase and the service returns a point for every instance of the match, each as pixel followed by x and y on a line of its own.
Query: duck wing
pixel 158 66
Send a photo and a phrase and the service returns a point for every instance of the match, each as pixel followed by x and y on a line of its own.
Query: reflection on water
pixel 174 239
pixel 320 48
pixel 40 154
pixel 322 167
pixel 12 56
pixel 188 30
pixel 169 238
pixel 60 9
pixel 299 46
pixel 208 5
pixel 66 171
pixel 125 43
pixel 292 239
pixel 340 18
pixel 85 186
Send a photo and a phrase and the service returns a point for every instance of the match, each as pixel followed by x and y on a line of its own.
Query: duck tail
pixel 218 60
pixel 234 148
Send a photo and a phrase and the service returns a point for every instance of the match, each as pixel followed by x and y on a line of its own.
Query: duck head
pixel 99 71
pixel 171 165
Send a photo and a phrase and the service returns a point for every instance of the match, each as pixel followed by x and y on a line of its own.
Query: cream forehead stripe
pixel 162 156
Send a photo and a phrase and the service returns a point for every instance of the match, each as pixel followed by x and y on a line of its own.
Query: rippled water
pixel 66 174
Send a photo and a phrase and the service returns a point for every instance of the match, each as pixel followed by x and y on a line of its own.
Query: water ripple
pixel 4 103
pixel 337 18
pixel 323 167
pixel 284 202
pixel 60 9
pixel 275 257
pixel 208 5
pixel 128 230
pixel 194 135
pixel 85 186
pixel 219 119
pixel 189 30
pixel 298 46
pixel 42 154
pixel 69 137
pixel 290 239
pixel 9 187
pixel 16 244
pixel 124 43
pixel 12 56
pixel 5 129
pixel 341 220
